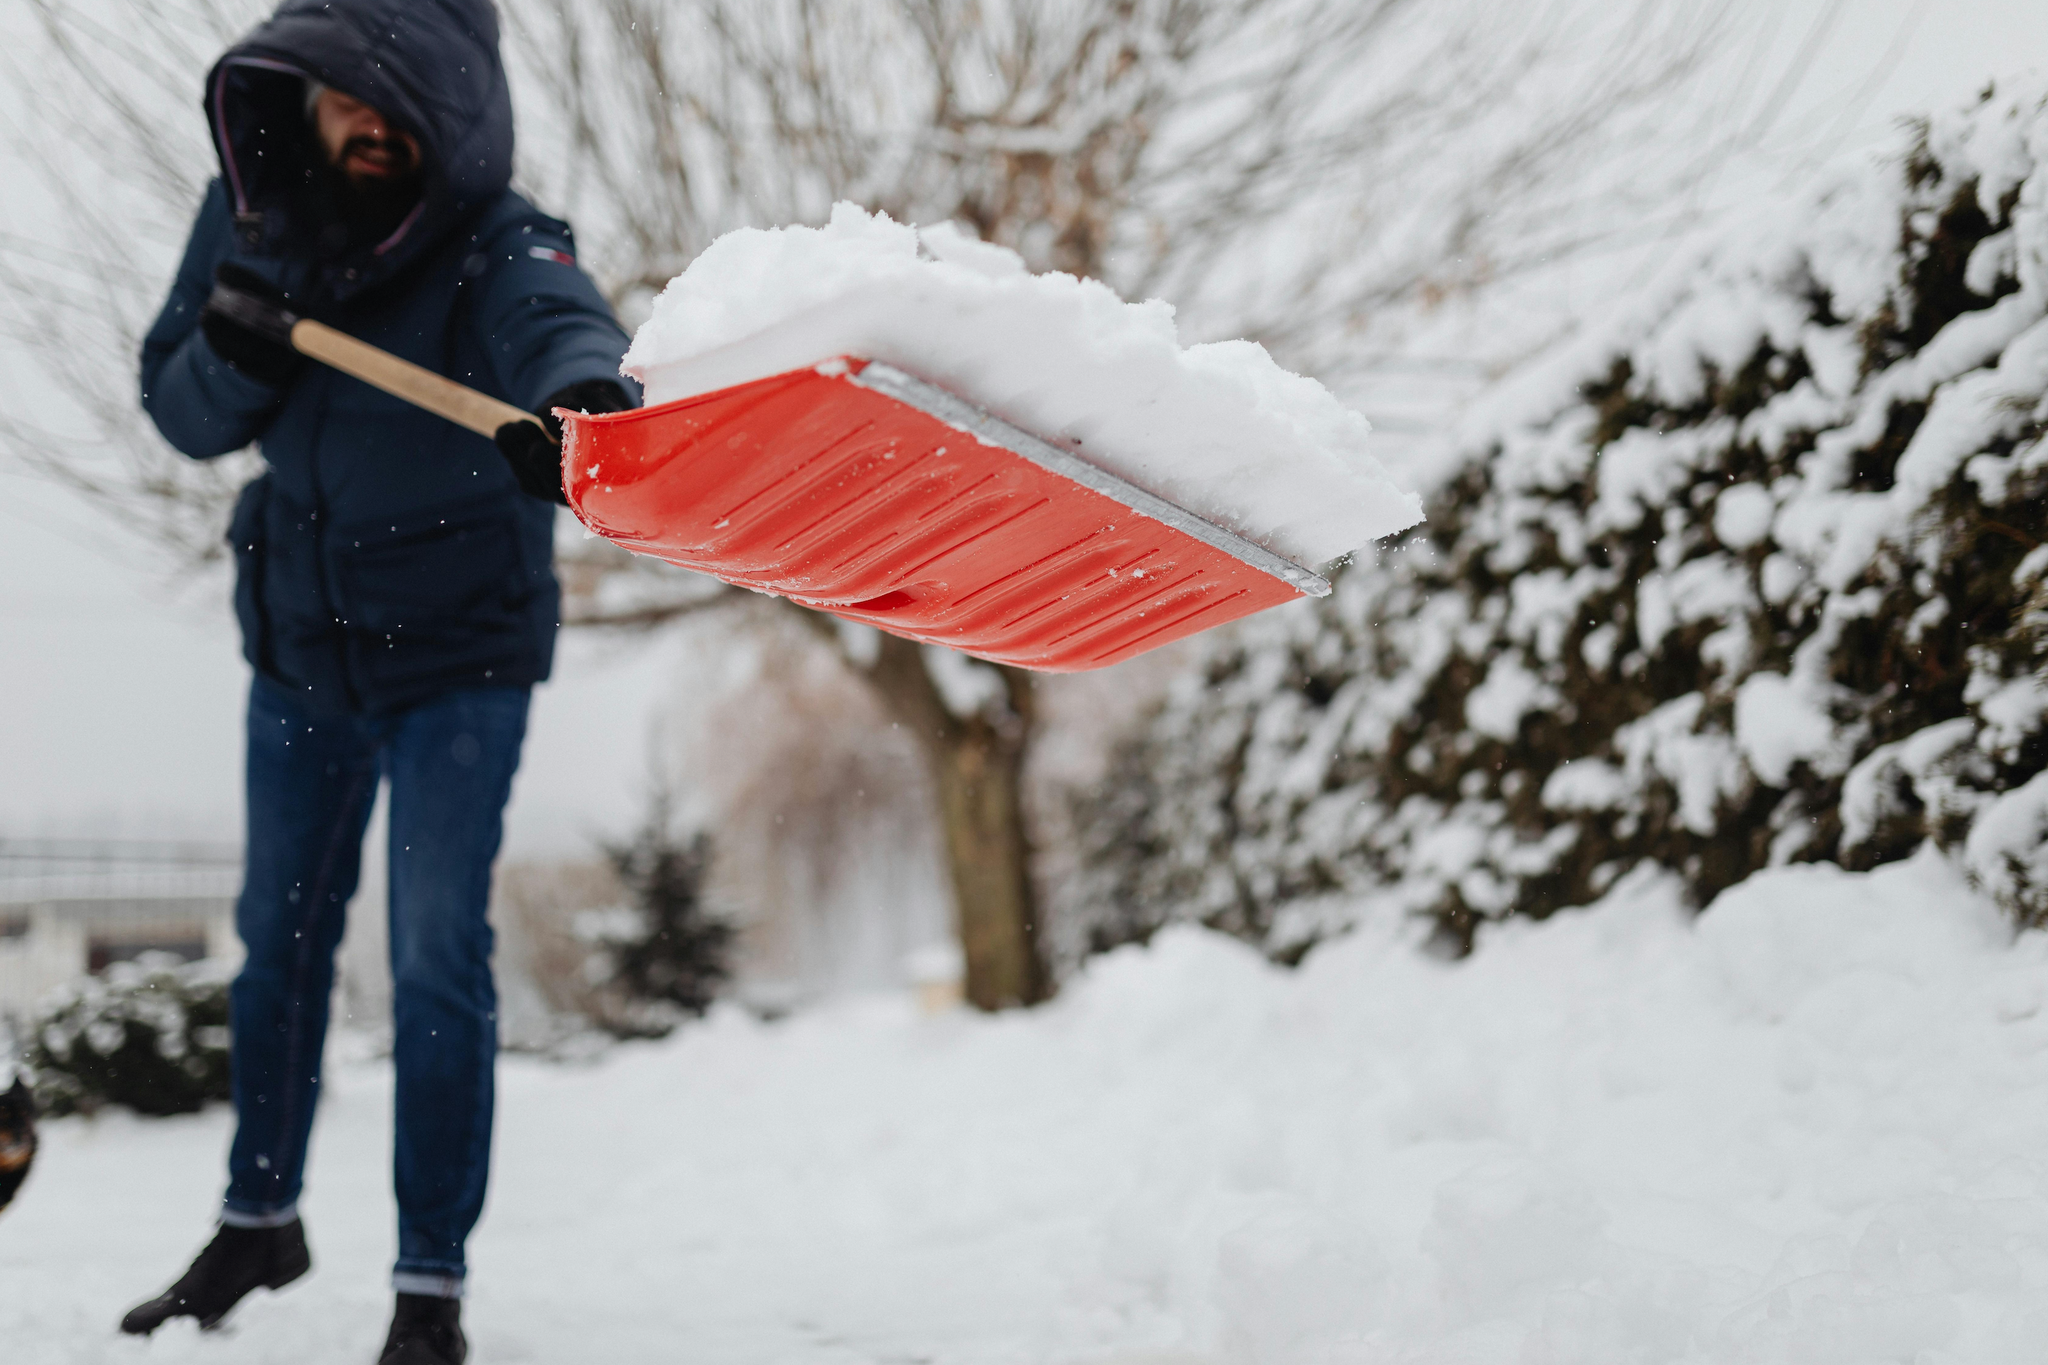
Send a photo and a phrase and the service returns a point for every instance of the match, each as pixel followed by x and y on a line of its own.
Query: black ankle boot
pixel 236 1261
pixel 425 1331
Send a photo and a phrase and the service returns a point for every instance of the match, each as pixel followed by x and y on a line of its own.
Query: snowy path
pixel 1811 1129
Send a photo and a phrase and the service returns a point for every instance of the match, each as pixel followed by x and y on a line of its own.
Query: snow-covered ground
pixel 1806 1127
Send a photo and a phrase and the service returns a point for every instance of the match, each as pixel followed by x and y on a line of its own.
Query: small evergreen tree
pixel 667 957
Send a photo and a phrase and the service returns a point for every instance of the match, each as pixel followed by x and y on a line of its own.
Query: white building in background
pixel 72 906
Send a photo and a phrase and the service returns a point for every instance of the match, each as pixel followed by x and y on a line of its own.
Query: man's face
pixel 362 144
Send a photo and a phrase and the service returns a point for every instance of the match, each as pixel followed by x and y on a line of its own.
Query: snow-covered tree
pixel 1758 573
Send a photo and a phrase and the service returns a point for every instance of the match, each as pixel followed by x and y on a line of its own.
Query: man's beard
pixel 372 206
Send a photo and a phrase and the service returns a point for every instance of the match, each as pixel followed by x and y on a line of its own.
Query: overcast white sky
pixel 121 698
pixel 1893 57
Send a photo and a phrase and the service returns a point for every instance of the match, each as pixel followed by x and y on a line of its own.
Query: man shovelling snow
pixel 395 584
pixel 395 587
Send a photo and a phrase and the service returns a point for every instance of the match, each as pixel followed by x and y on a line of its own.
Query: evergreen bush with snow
pixel 1755 576
pixel 151 1035
pixel 664 957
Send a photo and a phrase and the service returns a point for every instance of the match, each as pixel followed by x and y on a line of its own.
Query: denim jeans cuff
pixel 242 1216
pixel 432 1284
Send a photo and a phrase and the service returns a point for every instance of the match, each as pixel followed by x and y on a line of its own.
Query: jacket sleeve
pixel 199 402
pixel 541 320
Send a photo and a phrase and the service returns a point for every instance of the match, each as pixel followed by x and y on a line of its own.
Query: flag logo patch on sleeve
pixel 548 253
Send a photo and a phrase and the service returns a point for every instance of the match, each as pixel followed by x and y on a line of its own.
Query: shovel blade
pixel 864 492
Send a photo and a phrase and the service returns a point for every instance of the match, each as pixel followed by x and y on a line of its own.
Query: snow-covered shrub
pixel 150 1034
pixel 1754 576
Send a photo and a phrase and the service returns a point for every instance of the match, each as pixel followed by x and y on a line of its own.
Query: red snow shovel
pixel 868 493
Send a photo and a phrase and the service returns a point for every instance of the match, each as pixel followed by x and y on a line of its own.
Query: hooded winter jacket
pixel 386 555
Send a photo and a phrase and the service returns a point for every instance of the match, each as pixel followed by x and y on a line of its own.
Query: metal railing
pixel 45 871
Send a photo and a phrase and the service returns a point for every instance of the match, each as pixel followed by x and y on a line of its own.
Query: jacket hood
pixel 431 66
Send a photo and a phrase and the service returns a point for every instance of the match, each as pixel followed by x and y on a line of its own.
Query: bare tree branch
pixel 648 617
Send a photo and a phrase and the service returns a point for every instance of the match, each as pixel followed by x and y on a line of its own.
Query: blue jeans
pixel 311 783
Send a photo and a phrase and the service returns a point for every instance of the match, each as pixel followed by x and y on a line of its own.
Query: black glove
pixel 536 455
pixel 251 332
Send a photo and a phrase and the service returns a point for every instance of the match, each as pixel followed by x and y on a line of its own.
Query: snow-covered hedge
pixel 1755 576
pixel 151 1035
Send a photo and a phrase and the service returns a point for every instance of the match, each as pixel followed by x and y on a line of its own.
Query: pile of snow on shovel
pixel 1218 428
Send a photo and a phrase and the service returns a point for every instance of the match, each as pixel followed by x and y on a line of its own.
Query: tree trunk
pixel 980 804
pixel 977 767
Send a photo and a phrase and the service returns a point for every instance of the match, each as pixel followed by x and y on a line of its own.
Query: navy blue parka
pixel 386 555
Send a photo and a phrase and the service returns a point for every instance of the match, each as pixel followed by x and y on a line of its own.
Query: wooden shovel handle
pixel 380 369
